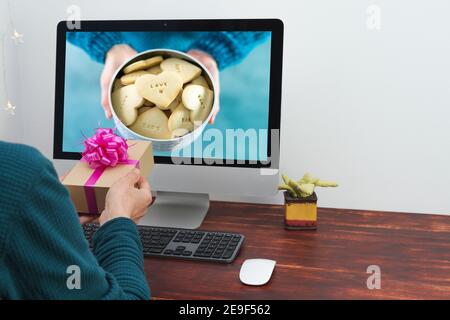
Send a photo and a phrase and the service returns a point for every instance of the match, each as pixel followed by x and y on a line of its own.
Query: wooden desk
pixel 412 250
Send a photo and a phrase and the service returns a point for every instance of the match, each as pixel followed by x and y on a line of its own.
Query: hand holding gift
pixel 128 197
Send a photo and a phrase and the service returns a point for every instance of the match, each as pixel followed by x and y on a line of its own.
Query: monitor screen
pixel 225 72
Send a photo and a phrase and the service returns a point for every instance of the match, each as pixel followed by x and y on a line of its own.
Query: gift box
pixel 107 158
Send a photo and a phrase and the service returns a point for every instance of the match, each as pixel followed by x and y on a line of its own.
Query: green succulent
pixel 305 186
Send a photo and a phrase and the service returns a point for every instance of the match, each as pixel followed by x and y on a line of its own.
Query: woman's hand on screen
pixel 210 63
pixel 117 55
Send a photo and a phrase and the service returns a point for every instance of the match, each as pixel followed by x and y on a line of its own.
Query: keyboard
pixel 212 246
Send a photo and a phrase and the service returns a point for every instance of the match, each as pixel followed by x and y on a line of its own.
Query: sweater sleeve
pixel 47 250
pixel 95 44
pixel 229 48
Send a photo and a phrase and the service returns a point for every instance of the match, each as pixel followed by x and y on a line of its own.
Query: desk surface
pixel 412 251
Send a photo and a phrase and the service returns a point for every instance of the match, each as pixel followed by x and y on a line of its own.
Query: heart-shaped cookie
pixel 179 132
pixel 193 96
pixel 142 109
pixel 130 78
pixel 188 125
pixel 173 104
pixel 152 124
pixel 200 101
pixel 117 85
pixel 178 117
pixel 201 81
pixel 186 70
pixel 143 64
pixel 160 89
pixel 154 70
pixel 125 102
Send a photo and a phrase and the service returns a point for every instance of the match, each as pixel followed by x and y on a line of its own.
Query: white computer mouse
pixel 256 272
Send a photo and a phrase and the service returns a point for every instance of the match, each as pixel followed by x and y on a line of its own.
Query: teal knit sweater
pixel 227 48
pixel 41 237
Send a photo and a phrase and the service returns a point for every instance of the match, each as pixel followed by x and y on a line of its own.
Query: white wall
pixel 10 125
pixel 370 109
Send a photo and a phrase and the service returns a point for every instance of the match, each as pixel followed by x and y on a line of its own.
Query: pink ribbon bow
pixel 105 149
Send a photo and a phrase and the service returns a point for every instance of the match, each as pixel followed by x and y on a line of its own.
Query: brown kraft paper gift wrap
pixel 139 155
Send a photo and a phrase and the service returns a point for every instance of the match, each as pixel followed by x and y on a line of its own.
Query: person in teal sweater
pixel 42 242
pixel 215 50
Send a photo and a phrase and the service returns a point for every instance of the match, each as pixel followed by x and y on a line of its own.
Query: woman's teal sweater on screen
pixel 42 242
pixel 227 48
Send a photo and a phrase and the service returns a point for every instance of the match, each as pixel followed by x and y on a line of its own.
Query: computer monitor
pixel 237 154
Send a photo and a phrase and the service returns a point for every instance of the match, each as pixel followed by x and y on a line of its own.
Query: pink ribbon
pixel 104 149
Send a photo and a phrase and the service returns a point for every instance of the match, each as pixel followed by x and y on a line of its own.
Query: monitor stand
pixel 177 210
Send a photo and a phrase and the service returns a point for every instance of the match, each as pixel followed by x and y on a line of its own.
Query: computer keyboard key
pixel 187 253
pixel 168 251
pixel 154 250
pixel 227 255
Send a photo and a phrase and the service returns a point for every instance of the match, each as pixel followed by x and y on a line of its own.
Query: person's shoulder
pixel 21 162
pixel 17 152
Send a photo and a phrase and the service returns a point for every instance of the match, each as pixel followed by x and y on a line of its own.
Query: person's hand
pixel 117 55
pixel 208 61
pixel 128 197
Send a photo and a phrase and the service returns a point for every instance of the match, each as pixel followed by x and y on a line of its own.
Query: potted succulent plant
pixel 301 201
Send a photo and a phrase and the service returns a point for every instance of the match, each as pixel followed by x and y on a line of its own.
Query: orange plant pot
pixel 300 213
